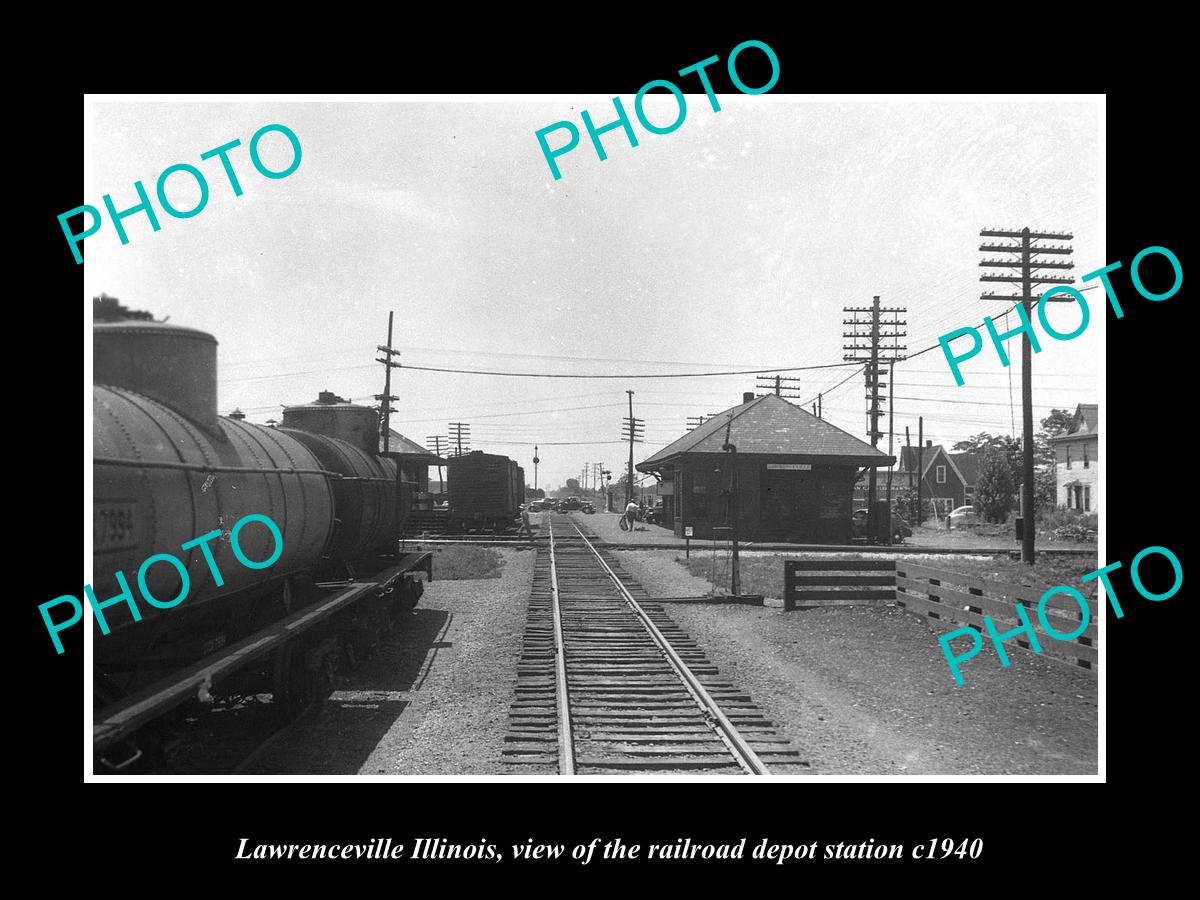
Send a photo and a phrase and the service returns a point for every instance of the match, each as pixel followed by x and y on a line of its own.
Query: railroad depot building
pixel 794 478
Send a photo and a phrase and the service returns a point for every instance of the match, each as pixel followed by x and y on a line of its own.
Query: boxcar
pixel 486 491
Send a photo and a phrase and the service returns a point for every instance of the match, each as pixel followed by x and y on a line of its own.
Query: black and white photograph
pixel 527 437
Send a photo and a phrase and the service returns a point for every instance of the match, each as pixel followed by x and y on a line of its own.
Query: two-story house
pixel 944 476
pixel 1077 461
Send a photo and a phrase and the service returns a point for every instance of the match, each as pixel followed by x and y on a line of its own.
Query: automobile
pixel 536 505
pixel 572 503
pixel 858 523
pixel 587 507
pixel 964 515
pixel 654 515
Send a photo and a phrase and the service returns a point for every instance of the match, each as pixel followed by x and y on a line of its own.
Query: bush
pixel 466 563
pixel 995 491
pixel 904 505
pixel 1056 518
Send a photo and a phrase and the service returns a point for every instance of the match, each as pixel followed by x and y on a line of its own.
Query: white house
pixel 1077 461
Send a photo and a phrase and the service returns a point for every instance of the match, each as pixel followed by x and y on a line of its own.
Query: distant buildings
pixel 1077 461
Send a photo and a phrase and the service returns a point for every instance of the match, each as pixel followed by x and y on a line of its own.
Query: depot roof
pixel 770 425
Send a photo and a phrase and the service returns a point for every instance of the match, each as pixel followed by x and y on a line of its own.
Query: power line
pixel 758 371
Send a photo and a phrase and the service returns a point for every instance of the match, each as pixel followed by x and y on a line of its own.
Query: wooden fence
pixel 946 600
pixel 949 600
pixel 828 582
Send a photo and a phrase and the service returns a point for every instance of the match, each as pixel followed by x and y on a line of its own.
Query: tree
pixel 1006 445
pixel 110 309
pixel 1058 422
pixel 573 486
pixel 1045 482
pixel 995 489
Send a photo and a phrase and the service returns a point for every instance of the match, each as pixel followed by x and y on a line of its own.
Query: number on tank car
pixel 113 526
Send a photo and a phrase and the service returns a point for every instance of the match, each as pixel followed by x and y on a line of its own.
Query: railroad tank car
pixel 482 491
pixel 167 469
pixel 344 438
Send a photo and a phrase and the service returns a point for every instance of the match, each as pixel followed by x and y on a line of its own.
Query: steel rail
pixel 725 729
pixel 566 744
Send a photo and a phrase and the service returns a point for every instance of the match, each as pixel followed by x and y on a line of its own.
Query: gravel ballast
pixel 866 690
pixel 434 698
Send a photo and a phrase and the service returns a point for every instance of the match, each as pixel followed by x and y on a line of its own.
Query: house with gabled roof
pixel 791 478
pixel 1077 460
pixel 947 479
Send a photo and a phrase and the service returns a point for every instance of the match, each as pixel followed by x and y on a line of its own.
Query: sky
pixel 732 243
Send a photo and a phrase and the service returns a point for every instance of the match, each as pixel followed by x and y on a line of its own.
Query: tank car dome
pixel 336 417
pixel 175 365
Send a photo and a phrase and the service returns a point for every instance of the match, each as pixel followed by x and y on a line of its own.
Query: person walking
pixel 525 526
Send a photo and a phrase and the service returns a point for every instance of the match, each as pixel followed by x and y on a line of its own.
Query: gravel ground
pixel 434 699
pixel 966 538
pixel 868 691
pixel 606 526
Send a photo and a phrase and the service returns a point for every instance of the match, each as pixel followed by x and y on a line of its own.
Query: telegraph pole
pixel 460 431
pixel 633 431
pixel 385 399
pixel 873 354
pixel 891 428
pixel 436 440
pixel 735 575
pixel 775 384
pixel 1026 258
pixel 920 465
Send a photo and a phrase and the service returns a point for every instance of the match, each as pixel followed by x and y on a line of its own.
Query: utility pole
pixel 872 354
pixel 891 427
pixel 1026 258
pixel 436 440
pixel 535 465
pixel 694 422
pixel 777 387
pixel 920 465
pixel 735 575
pixel 632 432
pixel 908 445
pixel 385 399
pixel 459 432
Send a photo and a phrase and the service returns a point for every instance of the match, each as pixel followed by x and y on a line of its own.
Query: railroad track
pixel 608 683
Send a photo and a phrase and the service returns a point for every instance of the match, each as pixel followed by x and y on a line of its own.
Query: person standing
pixel 525 526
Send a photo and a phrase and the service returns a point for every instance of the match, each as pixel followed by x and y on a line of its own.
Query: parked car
pixel 964 515
pixel 572 503
pixel 858 523
pixel 654 515
pixel 587 507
